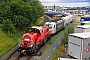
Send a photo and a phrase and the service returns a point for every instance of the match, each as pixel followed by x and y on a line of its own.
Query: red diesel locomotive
pixel 33 38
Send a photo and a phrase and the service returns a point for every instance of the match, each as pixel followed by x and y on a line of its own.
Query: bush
pixel 59 52
pixel 8 26
pixel 20 22
pixel 22 13
pixel 70 29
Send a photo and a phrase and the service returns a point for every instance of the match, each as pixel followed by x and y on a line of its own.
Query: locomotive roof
pixel 50 23
pixel 38 27
pixel 53 22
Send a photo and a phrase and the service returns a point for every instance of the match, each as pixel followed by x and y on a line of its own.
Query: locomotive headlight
pixel 31 45
pixel 26 39
pixel 20 44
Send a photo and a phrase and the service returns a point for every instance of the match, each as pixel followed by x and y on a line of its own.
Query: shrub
pixel 8 26
pixel 70 29
pixel 59 52
pixel 20 22
pixel 22 13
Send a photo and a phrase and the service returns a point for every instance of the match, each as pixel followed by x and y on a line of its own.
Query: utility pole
pixel 54 6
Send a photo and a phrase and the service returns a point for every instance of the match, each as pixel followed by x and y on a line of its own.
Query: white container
pixel 80 29
pixel 79 45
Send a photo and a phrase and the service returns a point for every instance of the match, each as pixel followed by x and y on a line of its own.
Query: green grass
pixel 78 24
pixel 6 43
pixel 59 52
pixel 38 21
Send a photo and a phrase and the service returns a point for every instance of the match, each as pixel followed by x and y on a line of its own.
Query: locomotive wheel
pixel 45 40
pixel 35 48
pixel 49 37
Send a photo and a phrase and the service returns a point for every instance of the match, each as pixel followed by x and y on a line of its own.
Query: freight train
pixel 60 24
pixel 38 35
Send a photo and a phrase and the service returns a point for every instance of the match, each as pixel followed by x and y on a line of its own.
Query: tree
pixel 37 9
pixel 20 22
pixel 8 26
pixel 21 12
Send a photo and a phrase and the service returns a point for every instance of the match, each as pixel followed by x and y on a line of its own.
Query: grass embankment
pixel 38 21
pixel 59 52
pixel 8 41
pixel 60 49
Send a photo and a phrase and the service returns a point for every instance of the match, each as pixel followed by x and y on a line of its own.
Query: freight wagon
pixel 79 45
pixel 55 25
pixel 80 29
pixel 67 19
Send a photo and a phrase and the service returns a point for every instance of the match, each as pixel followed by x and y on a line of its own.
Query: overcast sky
pixel 70 3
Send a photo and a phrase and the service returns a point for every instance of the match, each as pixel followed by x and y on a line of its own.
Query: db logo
pixel 88 50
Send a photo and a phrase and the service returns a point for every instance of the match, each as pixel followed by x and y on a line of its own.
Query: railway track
pixel 10 55
pixel 21 57
pixel 33 55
